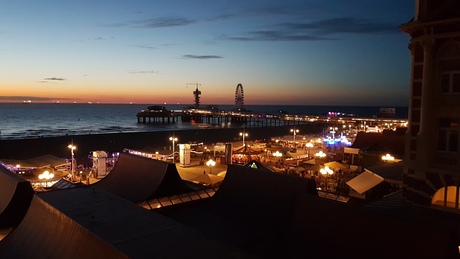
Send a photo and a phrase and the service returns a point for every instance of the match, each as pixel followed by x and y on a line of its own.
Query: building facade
pixel 432 156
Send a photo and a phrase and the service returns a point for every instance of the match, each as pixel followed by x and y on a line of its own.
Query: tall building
pixel 432 157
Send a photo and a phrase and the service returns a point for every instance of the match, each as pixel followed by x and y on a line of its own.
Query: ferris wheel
pixel 239 96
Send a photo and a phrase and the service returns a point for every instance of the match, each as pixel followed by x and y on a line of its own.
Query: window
pixel 450 82
pixel 447 135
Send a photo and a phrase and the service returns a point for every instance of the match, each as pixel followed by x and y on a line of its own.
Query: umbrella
pixel 335 165
pixel 222 174
pixel 207 178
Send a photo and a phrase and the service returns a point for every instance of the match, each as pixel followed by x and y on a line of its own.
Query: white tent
pixel 335 165
pixel 365 181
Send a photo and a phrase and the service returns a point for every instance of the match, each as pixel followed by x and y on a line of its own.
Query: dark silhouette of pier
pixel 160 115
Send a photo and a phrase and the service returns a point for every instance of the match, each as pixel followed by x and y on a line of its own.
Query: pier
pixel 159 115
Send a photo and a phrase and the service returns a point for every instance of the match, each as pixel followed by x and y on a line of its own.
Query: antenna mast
pixel 196 94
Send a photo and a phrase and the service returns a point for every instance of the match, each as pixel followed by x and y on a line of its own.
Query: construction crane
pixel 196 94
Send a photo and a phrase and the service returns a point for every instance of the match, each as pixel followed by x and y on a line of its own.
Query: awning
pixel 365 181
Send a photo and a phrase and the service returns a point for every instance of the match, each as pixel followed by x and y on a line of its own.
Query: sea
pixel 34 120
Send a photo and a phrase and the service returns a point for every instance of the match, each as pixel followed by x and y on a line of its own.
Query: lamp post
pixel 72 162
pixel 173 139
pixel 325 172
pixel 210 163
pixel 243 134
pixel 333 131
pixel 294 131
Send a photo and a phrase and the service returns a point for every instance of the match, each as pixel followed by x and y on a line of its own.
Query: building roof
pixel 380 143
pixel 36 162
pixel 392 171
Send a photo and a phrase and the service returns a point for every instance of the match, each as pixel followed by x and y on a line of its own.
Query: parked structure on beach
pixel 432 157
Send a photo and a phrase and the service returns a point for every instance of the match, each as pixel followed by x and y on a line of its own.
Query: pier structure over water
pixel 159 115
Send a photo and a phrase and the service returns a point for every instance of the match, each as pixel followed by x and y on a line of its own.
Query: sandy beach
pixel 116 142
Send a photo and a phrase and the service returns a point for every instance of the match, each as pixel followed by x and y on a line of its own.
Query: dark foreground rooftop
pixel 254 214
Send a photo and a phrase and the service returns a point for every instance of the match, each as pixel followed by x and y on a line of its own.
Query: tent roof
pixel 252 215
pixel 102 225
pixel 15 196
pixel 335 165
pixel 257 165
pixel 137 178
pixel 365 181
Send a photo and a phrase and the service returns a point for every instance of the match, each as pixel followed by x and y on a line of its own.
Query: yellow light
pixel 46 175
pixel 388 157
pixel 277 154
pixel 211 162
pixel 320 154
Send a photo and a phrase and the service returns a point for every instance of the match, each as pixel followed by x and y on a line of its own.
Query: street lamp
pixel 46 176
pixel 173 139
pixel 210 163
pixel 72 163
pixel 388 158
pixel 320 154
pixel 333 131
pixel 243 134
pixel 326 171
pixel 294 131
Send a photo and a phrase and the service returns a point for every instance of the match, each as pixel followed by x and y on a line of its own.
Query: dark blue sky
pixel 328 52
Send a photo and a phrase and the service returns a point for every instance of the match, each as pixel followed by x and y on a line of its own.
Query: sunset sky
pixel 303 52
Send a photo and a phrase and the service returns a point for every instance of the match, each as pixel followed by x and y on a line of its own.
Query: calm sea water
pixel 40 120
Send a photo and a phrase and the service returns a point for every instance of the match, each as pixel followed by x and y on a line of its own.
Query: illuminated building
pixel 432 158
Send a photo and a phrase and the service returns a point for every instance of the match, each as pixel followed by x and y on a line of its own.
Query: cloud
pixel 343 25
pixel 317 30
pixel 25 98
pixel 164 22
pixel 273 35
pixel 145 47
pixel 54 79
pixel 222 17
pixel 143 72
pixel 201 56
